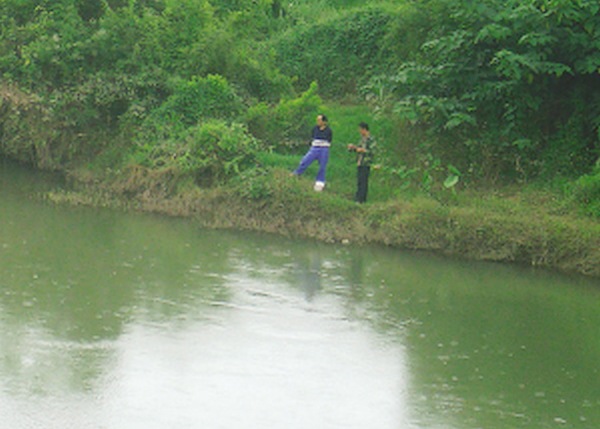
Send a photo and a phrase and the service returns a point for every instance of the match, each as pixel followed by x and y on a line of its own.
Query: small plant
pixel 452 179
pixel 254 185
pixel 401 174
pixel 586 192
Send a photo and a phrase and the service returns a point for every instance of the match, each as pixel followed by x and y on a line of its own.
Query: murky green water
pixel 112 320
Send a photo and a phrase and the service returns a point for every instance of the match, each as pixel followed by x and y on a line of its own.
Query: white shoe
pixel 319 186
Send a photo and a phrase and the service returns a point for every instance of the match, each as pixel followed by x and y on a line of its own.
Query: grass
pixel 341 170
pixel 395 181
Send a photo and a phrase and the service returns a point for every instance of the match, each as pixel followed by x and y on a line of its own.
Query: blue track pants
pixel 320 154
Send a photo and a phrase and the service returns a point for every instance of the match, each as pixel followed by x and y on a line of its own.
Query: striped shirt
pixel 322 137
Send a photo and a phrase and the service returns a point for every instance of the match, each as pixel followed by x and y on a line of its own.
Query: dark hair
pixel 323 117
pixel 364 126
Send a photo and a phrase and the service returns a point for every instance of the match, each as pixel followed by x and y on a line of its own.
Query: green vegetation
pixel 471 102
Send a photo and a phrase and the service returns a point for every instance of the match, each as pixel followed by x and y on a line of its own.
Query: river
pixel 114 320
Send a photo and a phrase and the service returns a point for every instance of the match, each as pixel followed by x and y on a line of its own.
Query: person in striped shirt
pixel 322 136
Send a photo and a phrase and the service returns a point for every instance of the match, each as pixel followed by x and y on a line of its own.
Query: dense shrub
pixel 58 46
pixel 338 53
pixel 195 131
pixel 257 78
pixel 211 151
pixel 586 192
pixel 218 151
pixel 503 86
pixel 21 130
pixel 287 123
pixel 200 97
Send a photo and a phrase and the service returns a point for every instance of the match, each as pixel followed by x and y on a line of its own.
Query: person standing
pixel 322 136
pixel 364 159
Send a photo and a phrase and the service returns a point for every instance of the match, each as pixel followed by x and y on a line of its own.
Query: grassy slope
pixel 341 170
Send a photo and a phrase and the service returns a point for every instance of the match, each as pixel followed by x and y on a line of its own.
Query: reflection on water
pixel 109 320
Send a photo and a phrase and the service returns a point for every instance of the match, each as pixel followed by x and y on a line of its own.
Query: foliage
pixel 218 150
pixel 496 81
pixel 287 123
pixel 502 90
pixel 338 53
pixel 254 185
pixel 586 192
pixel 200 97
pixel 58 46
pixel 211 151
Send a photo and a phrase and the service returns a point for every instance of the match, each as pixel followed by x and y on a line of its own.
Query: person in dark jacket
pixel 364 159
pixel 322 136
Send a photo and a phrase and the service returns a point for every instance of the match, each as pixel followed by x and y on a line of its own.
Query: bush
pixel 338 53
pixel 255 75
pixel 586 192
pixel 211 152
pixel 254 185
pixel 504 87
pixel 218 151
pixel 200 97
pixel 287 123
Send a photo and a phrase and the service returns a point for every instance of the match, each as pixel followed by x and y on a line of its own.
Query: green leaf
pixel 451 181
pixel 522 144
pixel 455 171
pixel 457 119
pixel 493 32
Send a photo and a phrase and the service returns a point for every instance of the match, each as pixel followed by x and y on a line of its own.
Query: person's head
pixel 321 120
pixel 363 129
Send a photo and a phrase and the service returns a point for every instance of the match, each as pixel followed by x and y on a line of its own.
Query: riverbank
pixel 479 227
pixel 516 227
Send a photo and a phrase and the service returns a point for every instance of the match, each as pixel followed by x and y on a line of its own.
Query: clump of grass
pixel 586 192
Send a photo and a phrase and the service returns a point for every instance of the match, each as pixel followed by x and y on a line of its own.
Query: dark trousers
pixel 362 183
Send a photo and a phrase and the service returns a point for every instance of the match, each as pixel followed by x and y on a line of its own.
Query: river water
pixel 115 320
